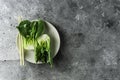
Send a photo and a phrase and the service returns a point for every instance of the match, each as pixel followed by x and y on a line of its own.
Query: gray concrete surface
pixel 90 39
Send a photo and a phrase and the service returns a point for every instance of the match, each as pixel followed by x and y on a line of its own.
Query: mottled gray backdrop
pixel 90 39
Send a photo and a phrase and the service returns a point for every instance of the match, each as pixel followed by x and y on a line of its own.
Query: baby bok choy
pixel 43 49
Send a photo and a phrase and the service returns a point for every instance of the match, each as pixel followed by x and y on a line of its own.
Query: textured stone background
pixel 90 36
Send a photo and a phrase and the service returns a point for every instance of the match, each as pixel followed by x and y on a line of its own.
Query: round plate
pixel 55 43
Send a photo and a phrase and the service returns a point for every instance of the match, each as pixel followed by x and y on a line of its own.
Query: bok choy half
pixel 34 38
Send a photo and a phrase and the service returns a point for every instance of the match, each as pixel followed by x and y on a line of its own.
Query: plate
pixel 55 43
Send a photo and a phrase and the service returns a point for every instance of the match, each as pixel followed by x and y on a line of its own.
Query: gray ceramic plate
pixel 55 43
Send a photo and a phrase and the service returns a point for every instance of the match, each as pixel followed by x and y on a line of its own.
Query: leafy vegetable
pixel 44 47
pixel 34 38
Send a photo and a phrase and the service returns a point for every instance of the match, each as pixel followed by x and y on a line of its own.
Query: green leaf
pixel 37 53
pixel 34 29
pixel 40 28
pixel 24 28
